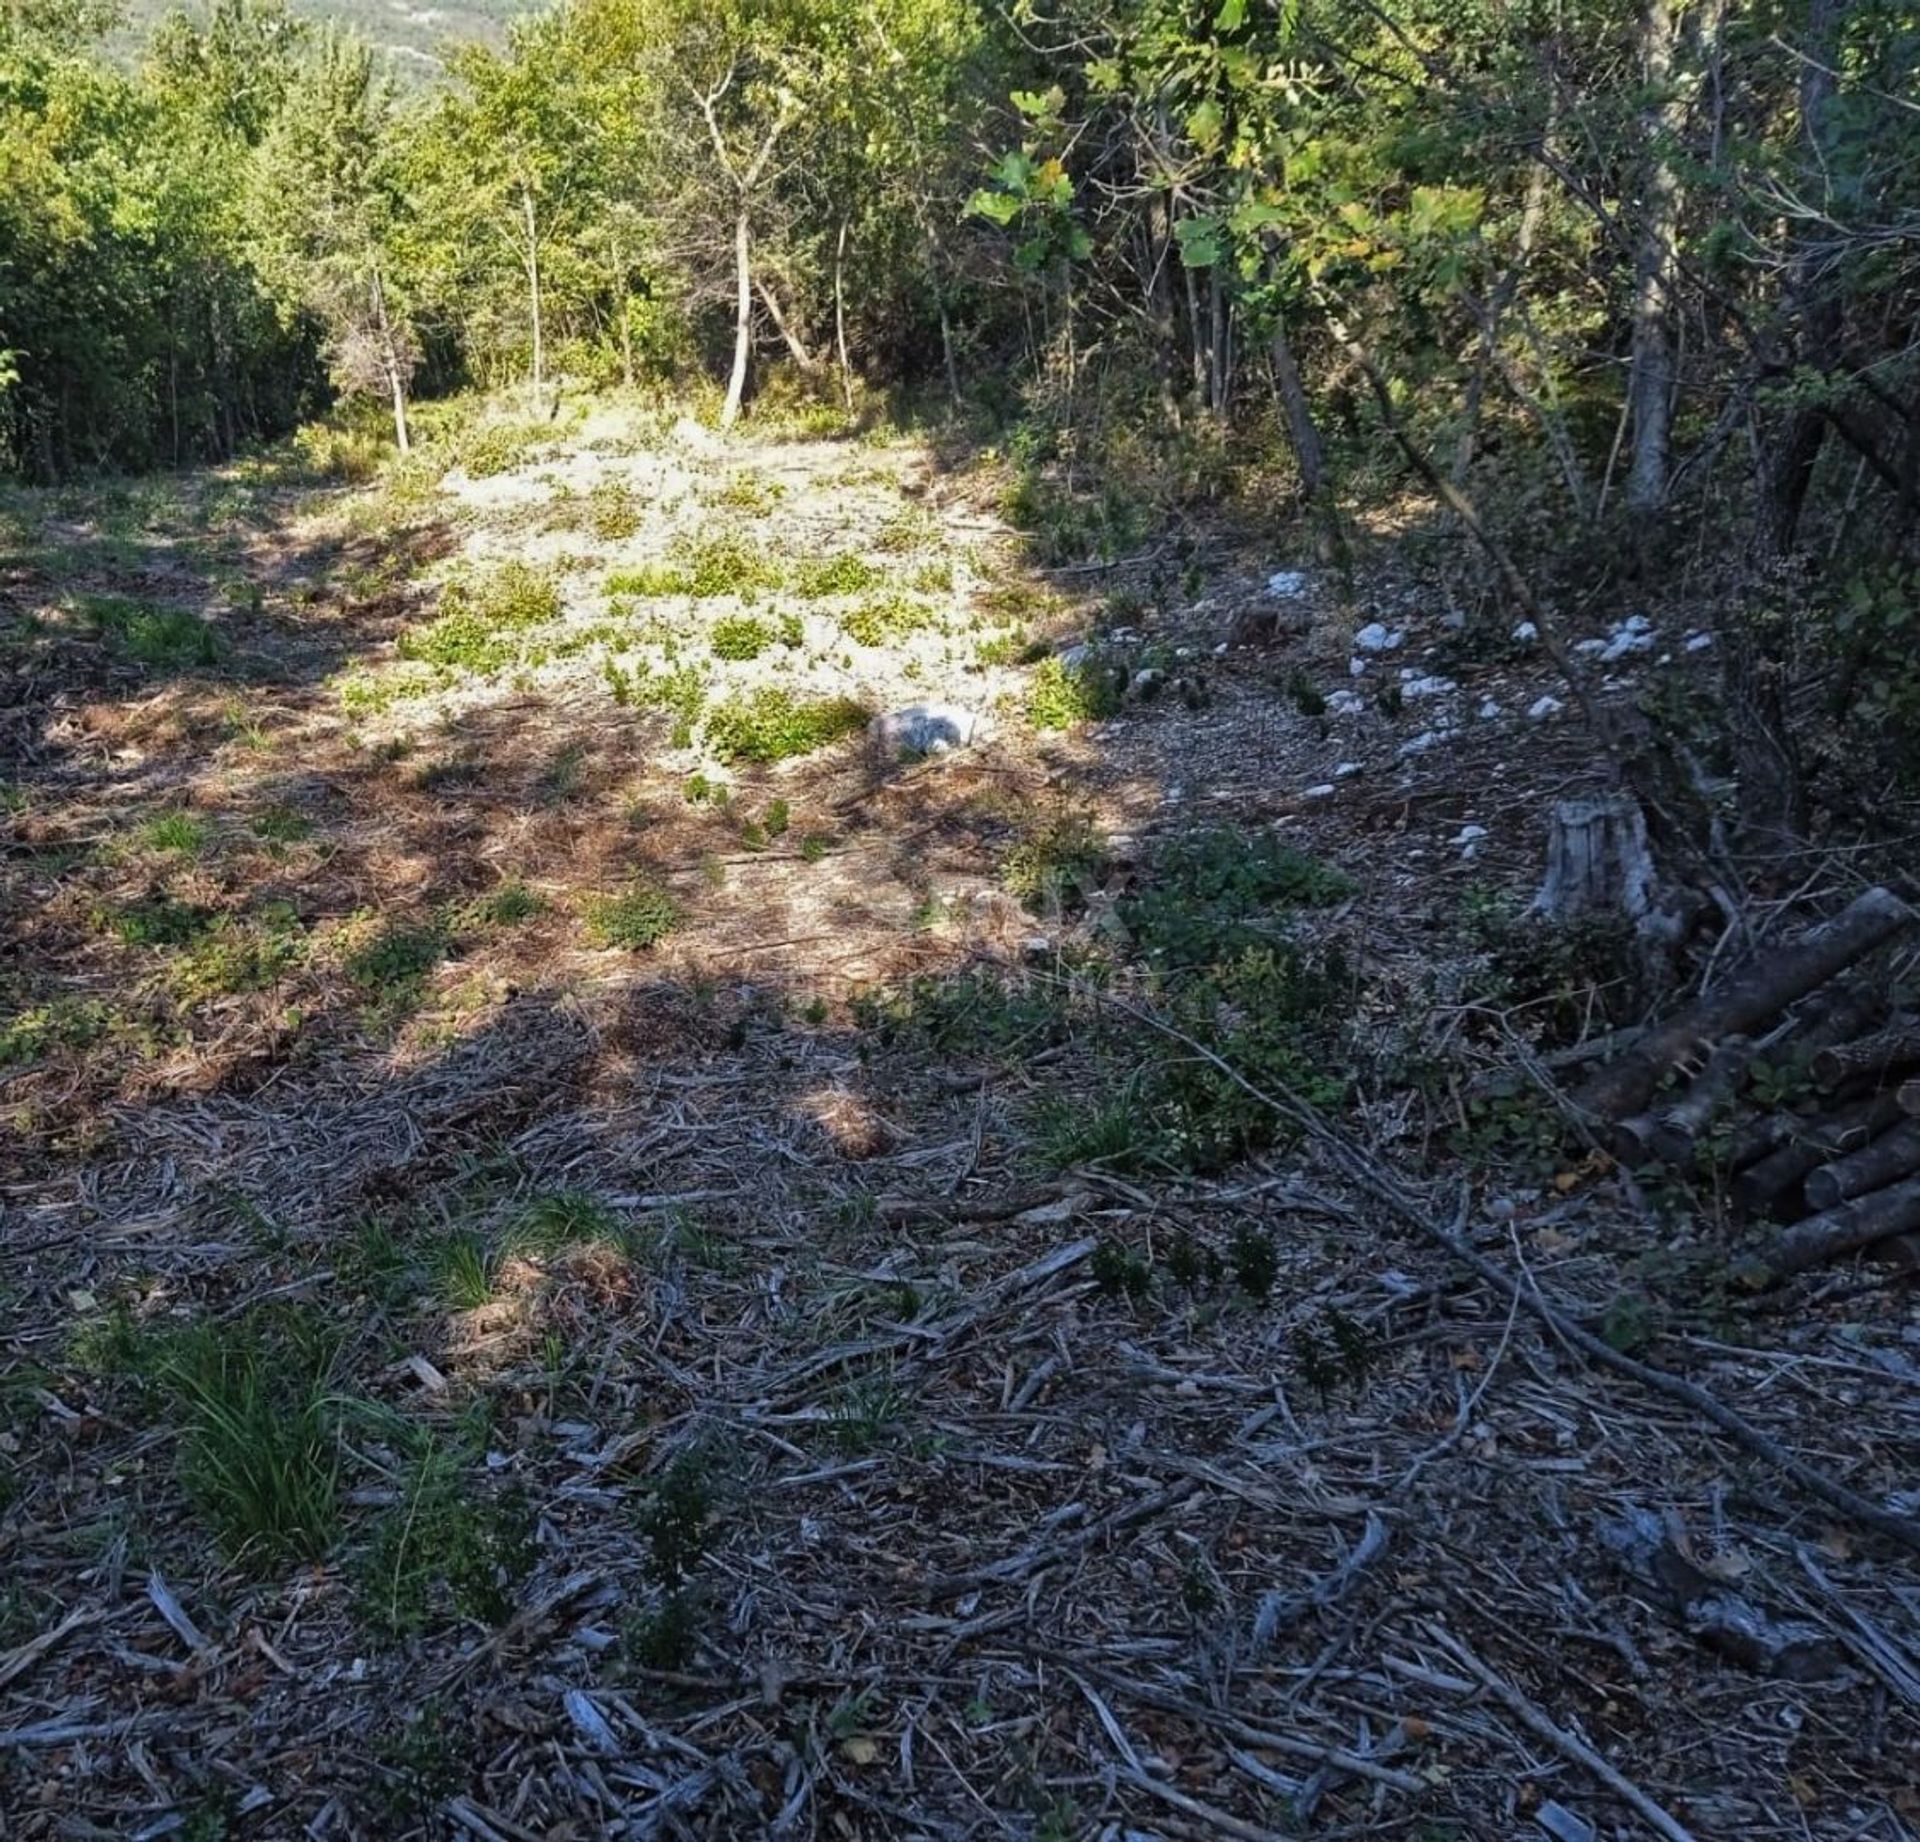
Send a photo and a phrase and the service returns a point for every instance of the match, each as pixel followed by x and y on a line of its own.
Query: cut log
pixel 1759 1136
pixel 1908 1098
pixel 1684 1124
pixel 1774 1182
pixel 1897 1046
pixel 1877 1217
pixel 1886 1159
pixel 1747 1000
pixel 1598 860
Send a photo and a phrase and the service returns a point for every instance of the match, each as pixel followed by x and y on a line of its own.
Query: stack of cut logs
pixel 1843 1178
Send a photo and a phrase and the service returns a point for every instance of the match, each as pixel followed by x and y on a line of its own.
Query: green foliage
pixel 36 1031
pixel 163 638
pixel 674 1519
pixel 255 1410
pixel 180 834
pixel 879 620
pixel 483 619
pixel 1056 865
pixel 1119 1272
pixel 849 573
pixel 773 725
pixel 741 636
pixel 445 1550
pixel 239 954
pixel 636 918
pixel 1062 695
pixel 1212 893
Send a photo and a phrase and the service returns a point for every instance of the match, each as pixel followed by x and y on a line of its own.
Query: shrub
pixel 481 619
pixel 880 618
pixel 845 574
pixel 741 636
pixel 774 725
pixel 1063 695
pixel 1055 864
pixel 444 1552
pixel 636 918
pixel 1214 893
pixel 162 637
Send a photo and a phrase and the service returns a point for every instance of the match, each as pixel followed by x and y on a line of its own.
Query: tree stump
pixel 1598 861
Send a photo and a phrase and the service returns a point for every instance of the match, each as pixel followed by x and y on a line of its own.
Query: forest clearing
pixel 929 923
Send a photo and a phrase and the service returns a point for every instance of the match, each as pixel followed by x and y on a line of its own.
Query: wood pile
pixel 1840 1179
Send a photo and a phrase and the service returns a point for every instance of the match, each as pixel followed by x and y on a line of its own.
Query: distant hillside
pixel 415 33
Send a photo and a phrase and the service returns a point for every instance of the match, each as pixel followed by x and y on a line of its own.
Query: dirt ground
pixel 740 1416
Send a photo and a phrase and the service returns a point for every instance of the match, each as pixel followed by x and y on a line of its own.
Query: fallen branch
pixel 1541 1723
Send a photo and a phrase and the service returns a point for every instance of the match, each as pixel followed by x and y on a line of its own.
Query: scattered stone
pixel 1544 707
pixel 1356 668
pixel 1375 636
pixel 1346 770
pixel 1470 834
pixel 1346 703
pixel 1323 791
pixel 1419 745
pixel 1287 584
pixel 1421 686
pixel 1699 642
pixel 1147 684
pixel 1077 656
pixel 925 729
pixel 1526 633
pixel 1488 710
pixel 1632 635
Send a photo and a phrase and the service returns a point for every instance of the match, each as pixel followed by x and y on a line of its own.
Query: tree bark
pixel 742 317
pixel 1650 377
pixel 533 296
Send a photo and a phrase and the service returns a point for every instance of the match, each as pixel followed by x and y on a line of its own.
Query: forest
pixel 960 919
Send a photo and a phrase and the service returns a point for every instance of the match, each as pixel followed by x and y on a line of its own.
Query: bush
pixel 1063 695
pixel 637 918
pixel 846 574
pixel 741 636
pixel 880 618
pixel 774 725
pixel 482 617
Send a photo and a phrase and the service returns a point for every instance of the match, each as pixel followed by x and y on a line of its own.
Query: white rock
pixel 925 729
pixel 1699 642
pixel 1287 584
pixel 1526 632
pixel 1323 791
pixel 1419 745
pixel 1075 656
pixel 1544 707
pixel 1428 687
pixel 1590 649
pixel 1346 703
pixel 1356 668
pixel 1377 637
pixel 1469 834
pixel 1488 710
pixel 1346 770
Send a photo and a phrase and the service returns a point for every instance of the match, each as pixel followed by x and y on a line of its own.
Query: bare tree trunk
pixel 1790 471
pixel 533 297
pixel 390 363
pixel 1650 379
pixel 625 298
pixel 742 317
pixel 796 346
pixel 840 314
pixel 1302 432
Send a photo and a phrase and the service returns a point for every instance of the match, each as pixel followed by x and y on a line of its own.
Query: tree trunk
pixel 1598 861
pixel 390 363
pixel 840 314
pixel 1790 470
pixel 533 297
pixel 796 346
pixel 742 317
pixel 1650 378
pixel 624 295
